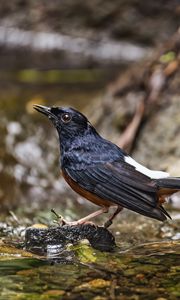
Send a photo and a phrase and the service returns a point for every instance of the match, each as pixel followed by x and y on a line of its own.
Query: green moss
pixel 168 57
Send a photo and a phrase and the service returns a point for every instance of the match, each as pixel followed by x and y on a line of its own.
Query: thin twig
pixel 127 138
pixel 15 218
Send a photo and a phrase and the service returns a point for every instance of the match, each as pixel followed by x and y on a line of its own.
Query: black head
pixel 67 121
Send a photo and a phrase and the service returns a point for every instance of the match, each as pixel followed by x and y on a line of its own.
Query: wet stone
pixel 39 239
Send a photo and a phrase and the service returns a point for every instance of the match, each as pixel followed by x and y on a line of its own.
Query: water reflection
pixel 132 275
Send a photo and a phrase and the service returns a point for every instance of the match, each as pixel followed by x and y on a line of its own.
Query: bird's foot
pixel 107 223
pixel 61 221
pixel 110 220
pixel 78 222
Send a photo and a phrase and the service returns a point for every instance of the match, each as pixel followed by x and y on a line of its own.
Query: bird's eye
pixel 66 118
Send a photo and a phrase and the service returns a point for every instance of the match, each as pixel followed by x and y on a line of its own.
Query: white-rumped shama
pixel 103 173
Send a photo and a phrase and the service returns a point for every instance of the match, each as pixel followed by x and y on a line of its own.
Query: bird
pixel 105 174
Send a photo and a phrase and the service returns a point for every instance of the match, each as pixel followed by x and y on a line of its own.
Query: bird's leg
pixel 109 221
pixel 87 218
pixel 93 215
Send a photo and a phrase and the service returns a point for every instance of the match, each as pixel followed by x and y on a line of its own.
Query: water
pixel 148 271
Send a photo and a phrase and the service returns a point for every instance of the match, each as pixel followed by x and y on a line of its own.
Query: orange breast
pixel 84 193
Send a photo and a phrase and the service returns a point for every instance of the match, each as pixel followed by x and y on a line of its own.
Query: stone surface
pixel 38 239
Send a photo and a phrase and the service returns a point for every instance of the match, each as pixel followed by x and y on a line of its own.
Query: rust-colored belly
pixel 84 193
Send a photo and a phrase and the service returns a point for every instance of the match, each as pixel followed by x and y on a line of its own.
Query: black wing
pixel 123 185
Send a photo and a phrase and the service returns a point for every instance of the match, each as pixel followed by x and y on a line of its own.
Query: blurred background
pixel 116 61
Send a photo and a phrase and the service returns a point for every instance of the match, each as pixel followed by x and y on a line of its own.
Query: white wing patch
pixel 150 173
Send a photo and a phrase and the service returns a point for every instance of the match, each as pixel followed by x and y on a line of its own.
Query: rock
pixel 38 239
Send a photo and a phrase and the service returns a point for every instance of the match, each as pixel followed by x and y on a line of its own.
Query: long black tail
pixel 168 183
pixel 165 184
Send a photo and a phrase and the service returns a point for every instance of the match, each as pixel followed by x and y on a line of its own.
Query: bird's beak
pixel 47 112
pixel 42 109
